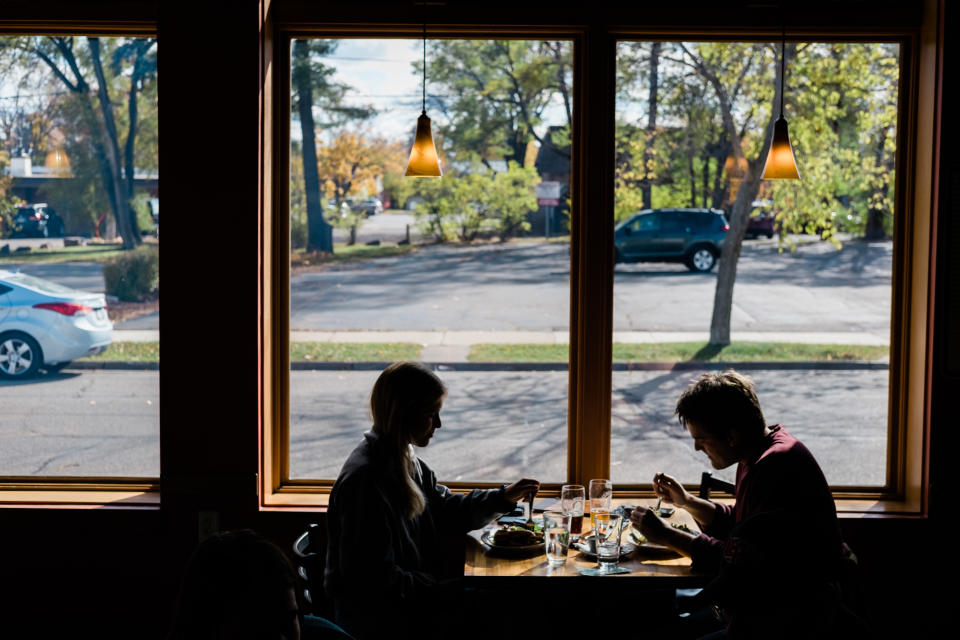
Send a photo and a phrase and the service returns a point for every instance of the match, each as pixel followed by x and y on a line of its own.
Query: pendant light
pixel 781 164
pixel 424 162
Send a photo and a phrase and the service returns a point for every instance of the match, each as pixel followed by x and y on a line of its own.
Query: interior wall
pixel 114 572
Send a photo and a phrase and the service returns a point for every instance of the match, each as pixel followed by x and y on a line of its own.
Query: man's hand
pixel 668 488
pixel 521 489
pixel 649 524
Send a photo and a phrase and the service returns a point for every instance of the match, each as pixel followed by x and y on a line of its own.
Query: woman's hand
pixel 649 524
pixel 520 489
pixel 668 488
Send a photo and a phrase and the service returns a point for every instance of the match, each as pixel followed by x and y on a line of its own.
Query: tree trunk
pixel 120 199
pixel 128 152
pixel 874 227
pixel 319 232
pixel 739 213
pixel 646 184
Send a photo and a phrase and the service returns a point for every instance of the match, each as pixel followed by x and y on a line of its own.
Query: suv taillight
pixel 66 308
pixel 726 227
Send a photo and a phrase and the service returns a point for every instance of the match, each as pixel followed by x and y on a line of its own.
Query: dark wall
pixel 115 572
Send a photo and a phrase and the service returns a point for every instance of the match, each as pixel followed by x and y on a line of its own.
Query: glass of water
pixel 572 499
pixel 606 528
pixel 556 537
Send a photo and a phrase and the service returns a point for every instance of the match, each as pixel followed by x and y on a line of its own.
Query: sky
pixel 381 73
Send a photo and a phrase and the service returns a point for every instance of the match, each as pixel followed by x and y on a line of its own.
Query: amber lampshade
pixel 781 164
pixel 424 162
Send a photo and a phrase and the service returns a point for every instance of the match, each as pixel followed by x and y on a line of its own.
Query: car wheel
pixel 20 355
pixel 769 234
pixel 617 256
pixel 701 260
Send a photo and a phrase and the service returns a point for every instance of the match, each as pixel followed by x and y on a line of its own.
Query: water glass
pixel 556 537
pixel 606 528
pixel 572 499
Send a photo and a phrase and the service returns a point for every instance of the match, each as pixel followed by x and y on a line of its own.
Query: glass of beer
pixel 601 499
pixel 572 499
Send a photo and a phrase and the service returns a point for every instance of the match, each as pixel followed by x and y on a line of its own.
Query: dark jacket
pixel 382 567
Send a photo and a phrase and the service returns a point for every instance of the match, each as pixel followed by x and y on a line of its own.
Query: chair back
pixel 310 556
pixel 708 483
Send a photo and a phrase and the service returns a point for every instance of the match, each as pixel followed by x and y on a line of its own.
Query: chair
pixel 709 483
pixel 309 553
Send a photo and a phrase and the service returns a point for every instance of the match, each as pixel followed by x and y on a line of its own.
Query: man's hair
pixel 721 403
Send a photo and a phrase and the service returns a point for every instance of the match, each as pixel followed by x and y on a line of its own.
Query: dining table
pixel 649 567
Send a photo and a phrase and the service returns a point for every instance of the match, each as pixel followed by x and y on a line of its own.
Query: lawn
pixel 84 253
pixel 685 352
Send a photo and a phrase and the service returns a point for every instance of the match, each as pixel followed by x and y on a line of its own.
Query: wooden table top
pixel 657 568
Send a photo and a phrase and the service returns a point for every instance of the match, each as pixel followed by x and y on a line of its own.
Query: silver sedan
pixel 46 325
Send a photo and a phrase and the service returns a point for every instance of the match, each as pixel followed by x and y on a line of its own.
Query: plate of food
pixel 513 538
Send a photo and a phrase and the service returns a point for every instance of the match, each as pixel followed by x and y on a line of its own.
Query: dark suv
pixel 692 236
pixel 37 220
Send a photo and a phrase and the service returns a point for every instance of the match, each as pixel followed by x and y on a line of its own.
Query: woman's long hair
pixel 400 397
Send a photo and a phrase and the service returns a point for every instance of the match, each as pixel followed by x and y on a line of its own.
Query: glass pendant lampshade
pixel 781 163
pixel 423 162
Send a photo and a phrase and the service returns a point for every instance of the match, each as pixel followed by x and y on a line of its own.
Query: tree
pixel 495 92
pixel 314 90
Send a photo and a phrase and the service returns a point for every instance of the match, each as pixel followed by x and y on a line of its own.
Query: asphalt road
pixel 500 424
pixel 496 425
pixel 525 286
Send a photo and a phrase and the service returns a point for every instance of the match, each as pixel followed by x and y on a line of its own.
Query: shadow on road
pixel 41 378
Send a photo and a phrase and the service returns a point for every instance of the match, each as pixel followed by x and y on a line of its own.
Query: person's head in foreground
pixel 405 405
pixel 722 413
pixel 238 585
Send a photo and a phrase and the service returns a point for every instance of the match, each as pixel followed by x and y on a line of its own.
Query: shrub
pixel 133 275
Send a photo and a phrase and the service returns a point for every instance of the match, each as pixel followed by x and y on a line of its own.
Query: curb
pixel 852 365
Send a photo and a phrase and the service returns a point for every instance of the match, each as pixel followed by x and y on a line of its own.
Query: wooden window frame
pixel 81 491
pixel 594 51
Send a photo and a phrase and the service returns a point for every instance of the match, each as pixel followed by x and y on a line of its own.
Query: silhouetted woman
pixel 389 521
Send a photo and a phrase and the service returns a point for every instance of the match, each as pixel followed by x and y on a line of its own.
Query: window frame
pixel 591 334
pixel 128 491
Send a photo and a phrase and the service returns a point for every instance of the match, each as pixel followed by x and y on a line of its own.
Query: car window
pixel 37 284
pixel 4 289
pixel 675 221
pixel 646 222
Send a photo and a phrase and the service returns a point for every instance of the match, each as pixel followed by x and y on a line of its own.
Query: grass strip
pixel 353 351
pixel 348 253
pixel 84 253
pixel 686 352
pixel 128 352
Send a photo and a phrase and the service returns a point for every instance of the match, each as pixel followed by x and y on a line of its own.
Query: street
pixel 525 286
pixel 501 424
pixel 497 425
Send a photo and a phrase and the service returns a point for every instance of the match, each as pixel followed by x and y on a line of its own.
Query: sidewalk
pixel 453 346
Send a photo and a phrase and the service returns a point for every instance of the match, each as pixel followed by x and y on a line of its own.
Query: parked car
pixel 761 223
pixel 46 325
pixel 692 236
pixel 37 220
pixel 369 207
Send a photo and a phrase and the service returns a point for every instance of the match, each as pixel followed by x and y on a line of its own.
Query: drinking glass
pixel 572 498
pixel 606 528
pixel 601 498
pixel 556 537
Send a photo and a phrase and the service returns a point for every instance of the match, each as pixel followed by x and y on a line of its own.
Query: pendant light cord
pixel 783 58
pixel 424 104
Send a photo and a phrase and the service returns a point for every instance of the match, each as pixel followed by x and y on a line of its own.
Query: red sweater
pixel 785 483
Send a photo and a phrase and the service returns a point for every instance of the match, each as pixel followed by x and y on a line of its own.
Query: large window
pixel 79 247
pixel 419 269
pixel 466 273
pixel 809 314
